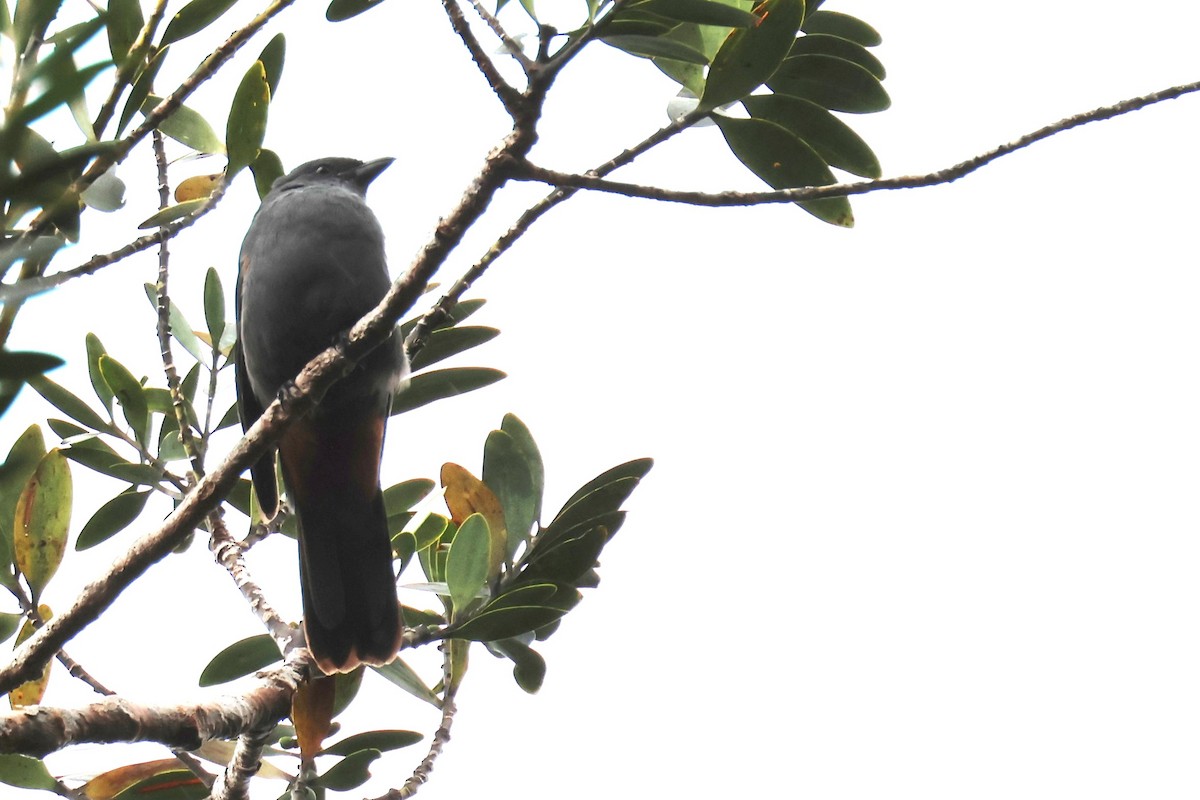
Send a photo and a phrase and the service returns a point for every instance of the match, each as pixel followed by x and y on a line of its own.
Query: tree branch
pixel 228 552
pixel 202 73
pixel 510 44
pixel 39 730
pixel 35 285
pixel 509 96
pixel 592 180
pixel 234 782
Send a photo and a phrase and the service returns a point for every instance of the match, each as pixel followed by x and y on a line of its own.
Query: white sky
pixel 923 520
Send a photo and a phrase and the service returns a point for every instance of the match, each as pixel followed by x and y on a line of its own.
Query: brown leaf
pixel 312 712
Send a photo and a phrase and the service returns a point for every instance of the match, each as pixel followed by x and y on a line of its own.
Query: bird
pixel 311 265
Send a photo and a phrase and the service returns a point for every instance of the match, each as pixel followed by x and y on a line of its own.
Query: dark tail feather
pixel 351 614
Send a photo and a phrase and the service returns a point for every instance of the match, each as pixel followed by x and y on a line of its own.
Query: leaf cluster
pixel 769 74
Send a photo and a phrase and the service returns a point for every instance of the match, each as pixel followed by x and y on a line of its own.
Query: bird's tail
pixel 331 467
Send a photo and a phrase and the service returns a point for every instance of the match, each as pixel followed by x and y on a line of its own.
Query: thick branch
pixel 39 730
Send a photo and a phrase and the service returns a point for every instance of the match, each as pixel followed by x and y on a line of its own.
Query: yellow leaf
pixel 196 187
pixel 41 521
pixel 467 495
pixel 31 692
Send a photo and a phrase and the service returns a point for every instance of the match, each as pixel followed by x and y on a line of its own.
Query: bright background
pixel 924 515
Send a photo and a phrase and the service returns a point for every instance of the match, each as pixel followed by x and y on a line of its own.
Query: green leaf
pixel 469 562
pixel 701 12
pixel 403 496
pixel 63 85
pixel 458 313
pixel 68 403
pixel 9 623
pixel 181 329
pixel 112 518
pixel 529 668
pixel 403 676
pixel 654 47
pixel 31 18
pixel 637 468
pixel 349 773
pixel 172 213
pixel 130 395
pixel 833 83
pixel 341 10
pixel 504 623
pixel 825 45
pixel 346 686
pixel 187 127
pixel 266 169
pixel 272 61
pixel 784 162
pixel 214 305
pixel 247 125
pixel 842 25
pixel 19 365
pixel 41 521
pixel 85 448
pixel 523 439
pixel 751 55
pixel 507 473
pixel 832 139
pixel 125 22
pixel 566 554
pixel 142 86
pixel 23 771
pixel 599 501
pixel 373 740
pixel 429 387
pixel 240 659
pixel 23 457
pixel 193 18
pixel 520 610
pixel 427 533
pixel 449 342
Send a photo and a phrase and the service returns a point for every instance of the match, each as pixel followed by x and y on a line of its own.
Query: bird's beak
pixel 364 174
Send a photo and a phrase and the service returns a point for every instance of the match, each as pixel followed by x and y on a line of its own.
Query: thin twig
pixel 510 44
pixel 163 328
pixel 509 96
pixel 138 54
pixel 592 180
pixel 35 285
pixel 440 737
pixel 435 315
pixel 202 73
pixel 73 667
pixel 229 553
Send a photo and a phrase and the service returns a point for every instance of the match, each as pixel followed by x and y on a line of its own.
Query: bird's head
pixel 350 172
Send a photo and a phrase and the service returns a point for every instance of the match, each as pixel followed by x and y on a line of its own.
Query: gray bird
pixel 311 265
